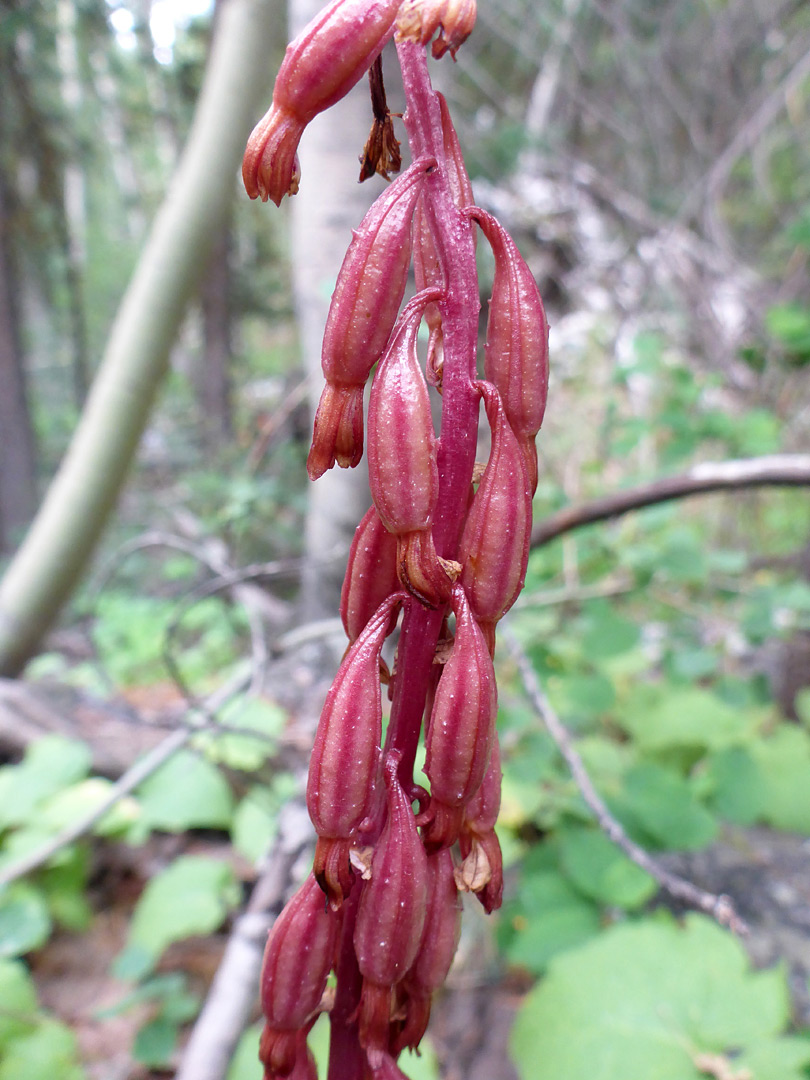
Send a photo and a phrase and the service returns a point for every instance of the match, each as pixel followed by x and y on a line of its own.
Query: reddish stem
pixel 453 238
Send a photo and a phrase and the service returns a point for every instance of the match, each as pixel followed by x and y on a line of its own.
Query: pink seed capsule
pixel 459 181
pixel 494 547
pixel 371 573
pixel 364 307
pixel 462 727
pixel 436 950
pixel 481 872
pixel 428 274
pixel 319 68
pixel 391 914
pixel 516 356
pixel 297 960
pixel 345 759
pixel 403 474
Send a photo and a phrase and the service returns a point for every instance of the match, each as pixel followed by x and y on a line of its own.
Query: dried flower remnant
pixel 382 907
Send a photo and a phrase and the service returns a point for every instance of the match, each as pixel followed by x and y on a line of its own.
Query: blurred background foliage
pixel 652 158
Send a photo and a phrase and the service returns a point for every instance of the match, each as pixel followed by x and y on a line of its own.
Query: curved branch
pixel 775 470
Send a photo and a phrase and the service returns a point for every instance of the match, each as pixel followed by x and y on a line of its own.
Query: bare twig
pixel 776 470
pixel 127 783
pixel 721 908
pixel 233 993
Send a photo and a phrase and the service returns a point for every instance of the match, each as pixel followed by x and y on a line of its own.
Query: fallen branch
pixel 721 908
pixel 776 470
pixel 234 991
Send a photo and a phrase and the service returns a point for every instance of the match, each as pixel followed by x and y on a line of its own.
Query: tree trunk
pixel 329 205
pixel 73 515
pixel 212 372
pixel 17 459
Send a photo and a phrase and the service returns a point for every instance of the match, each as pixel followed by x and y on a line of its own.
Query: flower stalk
pixel 395 850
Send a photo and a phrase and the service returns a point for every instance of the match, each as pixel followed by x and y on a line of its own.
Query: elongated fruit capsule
pixel 516 355
pixel 345 759
pixel 402 468
pixel 364 307
pixel 462 727
pixel 436 950
pixel 320 67
pixel 371 573
pixel 494 546
pixel 391 914
pixel 481 872
pixel 297 959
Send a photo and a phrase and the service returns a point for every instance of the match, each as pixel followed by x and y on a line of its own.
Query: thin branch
pixel 233 992
pixel 721 908
pixel 776 470
pixel 127 783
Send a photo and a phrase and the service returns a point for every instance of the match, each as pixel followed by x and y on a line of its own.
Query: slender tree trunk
pixel 328 206
pixel 212 374
pixel 74 513
pixel 17 458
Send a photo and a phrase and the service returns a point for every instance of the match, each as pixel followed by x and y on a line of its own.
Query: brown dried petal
pixel 458 21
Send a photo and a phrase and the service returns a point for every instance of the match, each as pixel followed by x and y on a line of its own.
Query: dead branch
pixel 721 908
pixel 234 991
pixel 776 470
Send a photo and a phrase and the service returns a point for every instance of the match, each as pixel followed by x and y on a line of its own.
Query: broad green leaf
pixel 245 1064
pixel 608 634
pixel 51 763
pixel 24 920
pixel 588 694
pixel 18 1000
pixel 245 752
pixel 192 896
pixel 659 719
pixel 776 1059
pixel 642 1001
pixel 187 792
pixel 601 871
pixel 783 762
pixel 48 1052
pixel 550 916
pixel 255 822
pixel 735 785
pixel 155 1042
pixel 659 803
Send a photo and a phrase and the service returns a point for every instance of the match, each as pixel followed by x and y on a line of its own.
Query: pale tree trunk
pixel 328 206
pixel 69 524
pixel 211 375
pixel 17 460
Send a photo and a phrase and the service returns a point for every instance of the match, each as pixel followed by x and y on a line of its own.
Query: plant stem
pixel 453 238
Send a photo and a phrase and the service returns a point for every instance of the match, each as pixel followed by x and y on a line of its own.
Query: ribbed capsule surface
pixel 462 723
pixel 482 869
pixel 391 915
pixel 494 546
pixel 298 958
pixel 346 755
pixel 371 282
pixel 401 442
pixel 516 355
pixel 371 573
pixel 320 66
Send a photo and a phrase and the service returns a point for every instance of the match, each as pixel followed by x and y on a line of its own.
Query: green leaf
pixel 192 896
pixel 18 1000
pixel 777 1059
pixel 783 762
pixel 659 803
pixel 50 764
pixel 244 752
pixel 24 920
pixel 155 1042
pixel 642 1001
pixel 608 634
pixel 245 1063
pixel 254 823
pixel 601 871
pixel 48 1052
pixel 187 792
pixel 663 718
pixel 735 785
pixel 550 917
